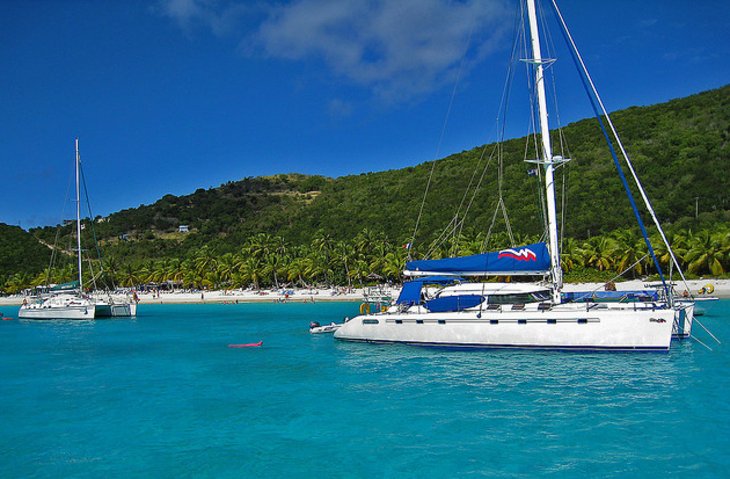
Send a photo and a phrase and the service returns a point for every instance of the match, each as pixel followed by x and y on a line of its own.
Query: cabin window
pixel 519 298
pixel 370 321
pixel 398 321
pixel 442 321
pixel 419 321
pixel 521 321
pixel 551 321
pixel 493 321
pixel 582 321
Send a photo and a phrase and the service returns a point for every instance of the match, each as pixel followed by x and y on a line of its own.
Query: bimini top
pixel 532 259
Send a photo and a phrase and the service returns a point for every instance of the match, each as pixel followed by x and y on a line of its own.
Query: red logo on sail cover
pixel 523 254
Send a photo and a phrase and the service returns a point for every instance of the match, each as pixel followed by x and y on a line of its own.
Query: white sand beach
pixel 721 289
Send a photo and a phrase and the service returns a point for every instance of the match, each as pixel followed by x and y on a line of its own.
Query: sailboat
pixel 73 304
pixel 442 308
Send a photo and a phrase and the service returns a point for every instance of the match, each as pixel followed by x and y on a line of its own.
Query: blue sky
pixel 175 95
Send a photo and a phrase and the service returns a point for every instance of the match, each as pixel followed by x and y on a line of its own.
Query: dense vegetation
pixel 269 261
pixel 680 150
pixel 21 253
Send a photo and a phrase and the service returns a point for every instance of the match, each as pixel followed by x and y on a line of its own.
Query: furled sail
pixel 533 259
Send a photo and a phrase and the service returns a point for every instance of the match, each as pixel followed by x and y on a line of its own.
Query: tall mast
pixel 547 160
pixel 78 215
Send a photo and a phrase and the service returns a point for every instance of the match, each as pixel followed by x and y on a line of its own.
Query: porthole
pixel 370 321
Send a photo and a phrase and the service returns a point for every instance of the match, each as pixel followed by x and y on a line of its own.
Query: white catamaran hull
pixel 63 312
pixel 649 330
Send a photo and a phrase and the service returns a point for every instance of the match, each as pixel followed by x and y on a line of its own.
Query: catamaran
pixel 73 304
pixel 441 308
pixel 69 301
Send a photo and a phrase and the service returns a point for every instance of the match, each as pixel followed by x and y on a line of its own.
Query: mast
pixel 78 216
pixel 547 161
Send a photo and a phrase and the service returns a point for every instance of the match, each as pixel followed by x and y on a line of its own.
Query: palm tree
pixel 706 253
pixel 295 271
pixel 205 261
pixel 628 248
pixel 227 266
pixel 271 265
pixel 18 282
pixel 600 252
pixel 344 254
pixel 129 276
pixel 251 271
pixel 393 264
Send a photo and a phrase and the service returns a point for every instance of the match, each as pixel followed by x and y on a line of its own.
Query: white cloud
pixel 220 16
pixel 399 49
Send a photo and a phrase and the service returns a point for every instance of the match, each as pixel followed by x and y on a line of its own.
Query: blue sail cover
pixel 532 259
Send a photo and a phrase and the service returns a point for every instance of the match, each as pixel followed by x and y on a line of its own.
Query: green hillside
pixel 679 148
pixel 22 254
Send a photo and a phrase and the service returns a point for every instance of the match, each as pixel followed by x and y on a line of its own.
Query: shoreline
pixel 721 290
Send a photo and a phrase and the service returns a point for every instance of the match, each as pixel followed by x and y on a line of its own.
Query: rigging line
pixel 625 155
pixel 703 344
pixel 443 133
pixel 489 232
pixel 501 121
pixel 500 127
pixel 576 58
pixel 461 222
pixel 623 272
pixel 439 240
pixel 54 254
pixel 537 144
pixel 550 48
pixel 706 330
pixel 91 214
pixel 478 185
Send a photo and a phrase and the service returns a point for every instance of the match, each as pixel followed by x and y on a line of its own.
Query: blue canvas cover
pixel 411 292
pixel 449 304
pixel 532 259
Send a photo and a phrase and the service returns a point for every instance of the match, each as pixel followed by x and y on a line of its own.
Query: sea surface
pixel 163 396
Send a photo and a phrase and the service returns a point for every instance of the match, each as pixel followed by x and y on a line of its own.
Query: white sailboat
pixel 539 315
pixel 66 305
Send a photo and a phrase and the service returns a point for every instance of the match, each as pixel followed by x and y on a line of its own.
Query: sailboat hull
pixel 66 312
pixel 586 330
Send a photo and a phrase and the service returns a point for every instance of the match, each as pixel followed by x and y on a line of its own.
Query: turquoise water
pixel 163 396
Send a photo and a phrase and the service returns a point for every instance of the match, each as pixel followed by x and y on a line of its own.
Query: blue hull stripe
pixel 513 346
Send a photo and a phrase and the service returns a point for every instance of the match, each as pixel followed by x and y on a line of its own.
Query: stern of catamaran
pixel 683 319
